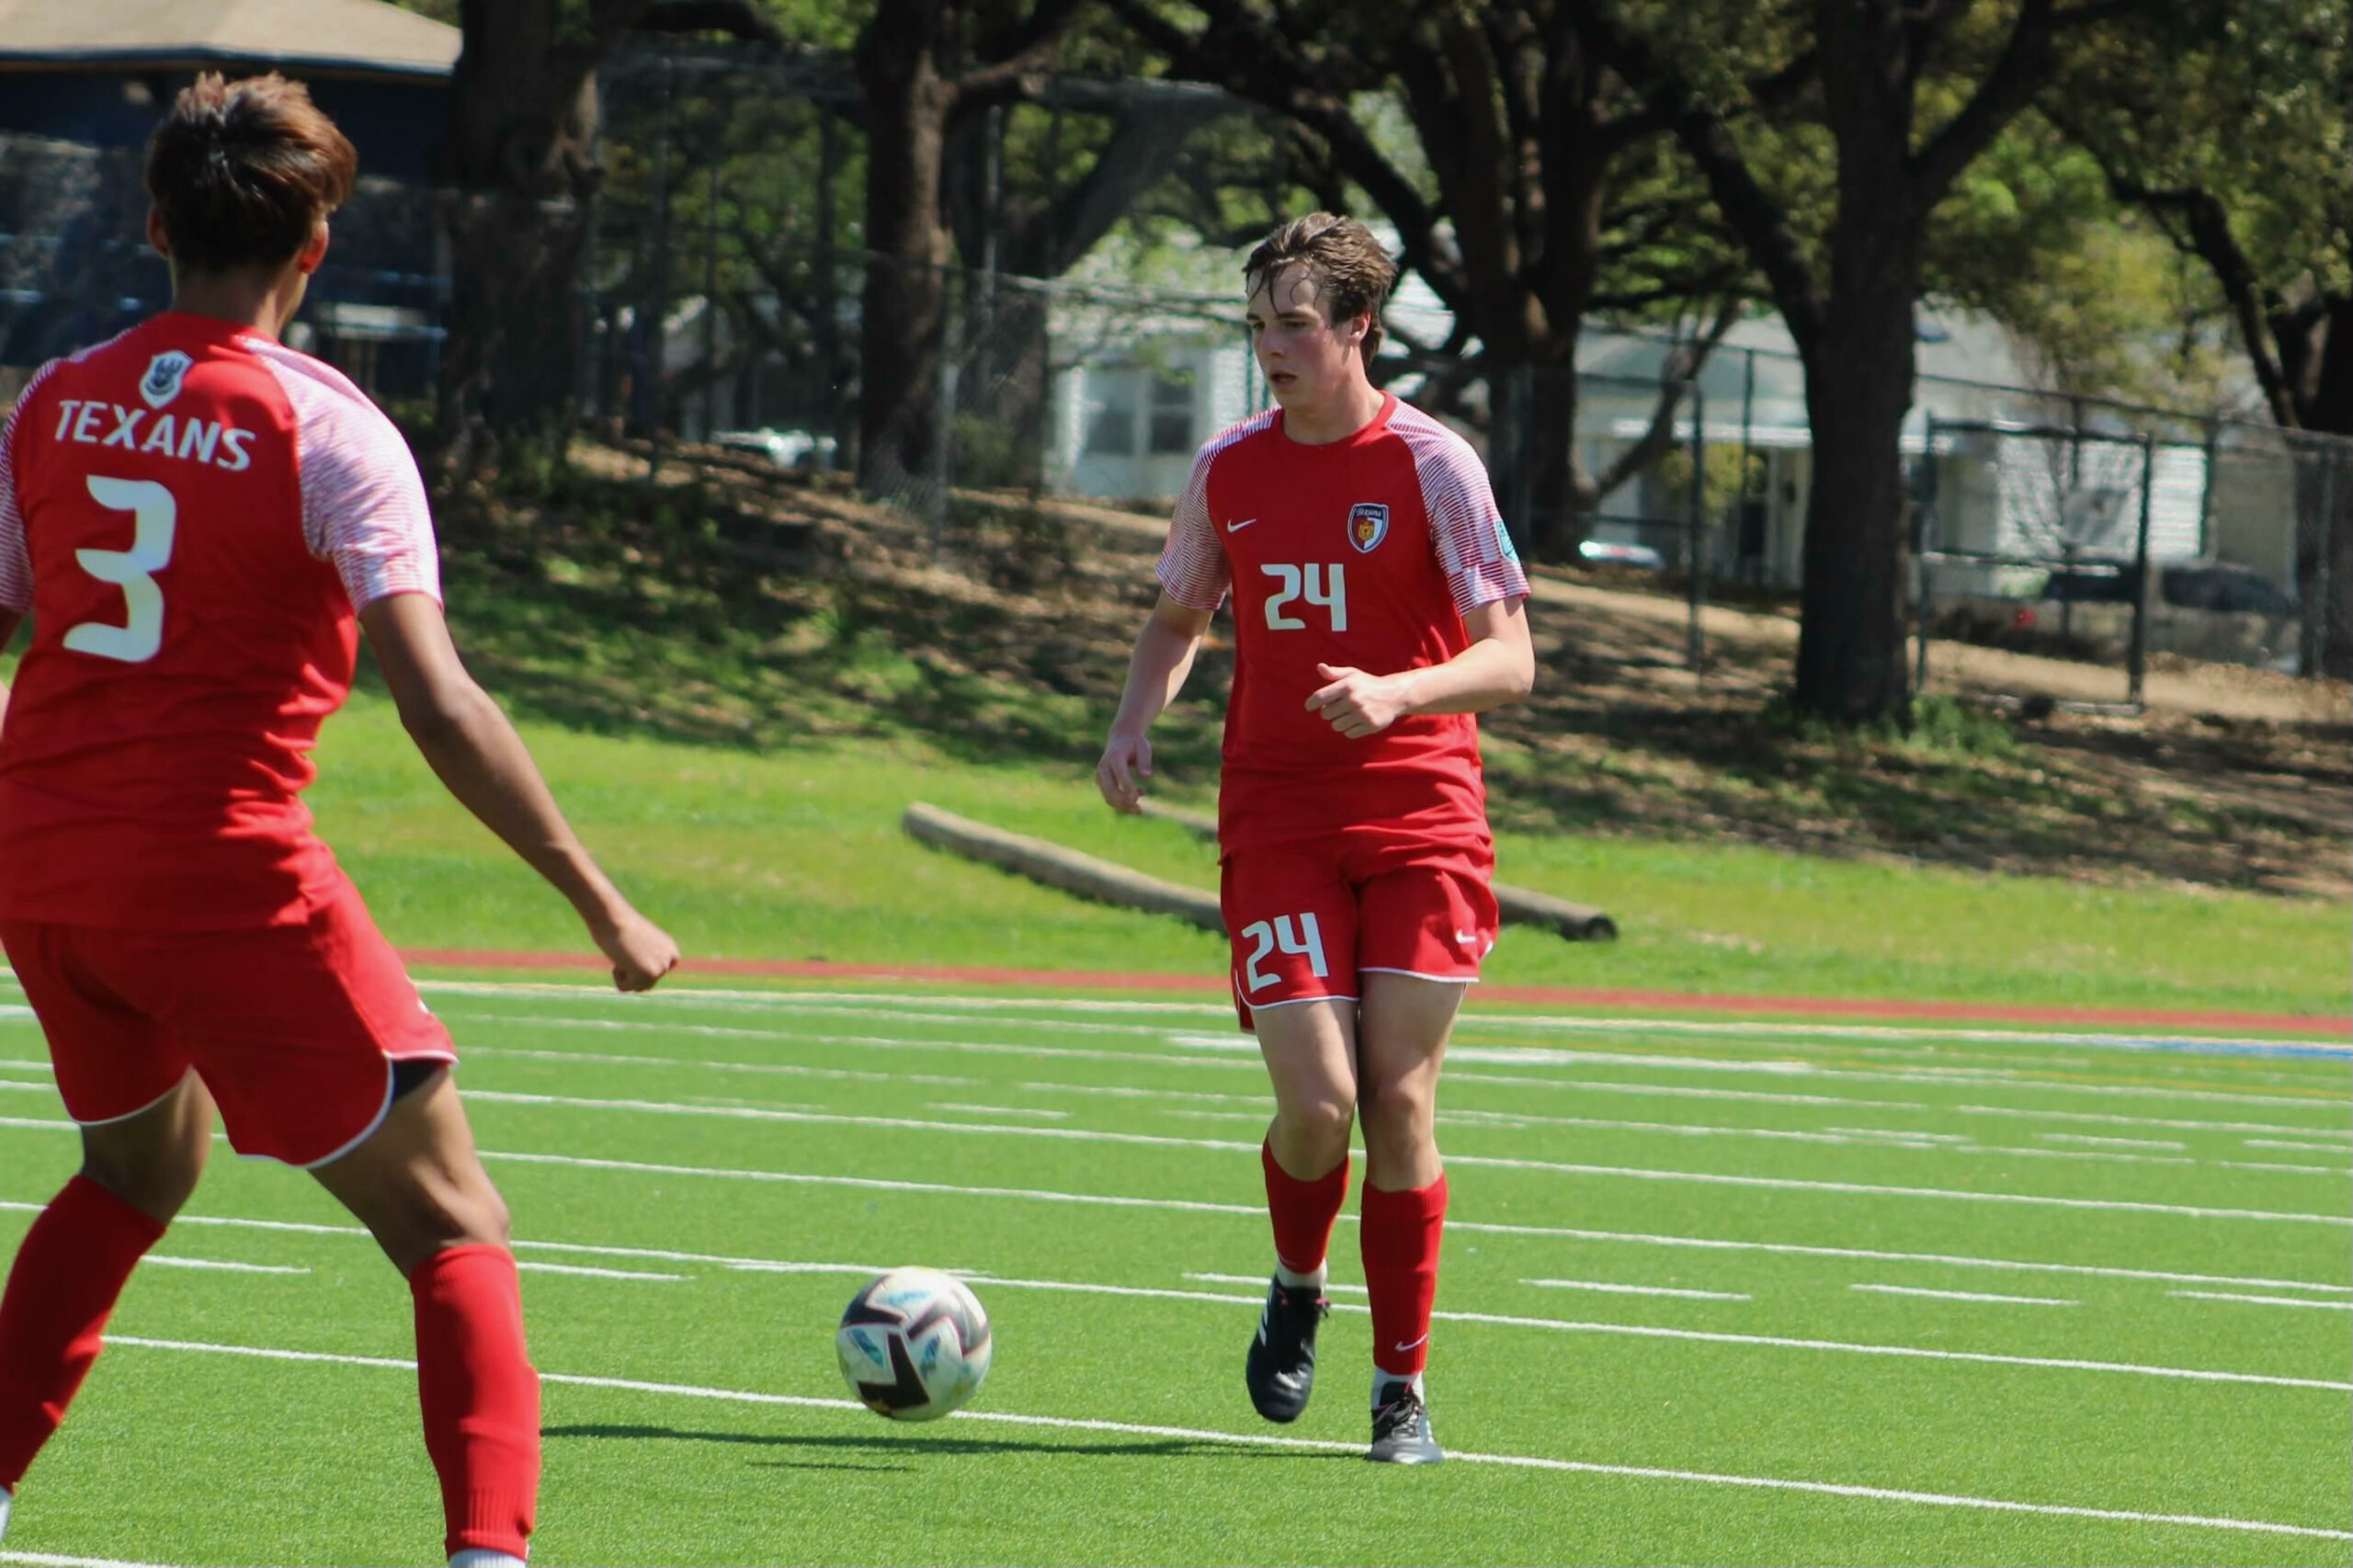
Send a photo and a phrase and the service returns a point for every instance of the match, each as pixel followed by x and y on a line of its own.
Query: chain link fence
pixel 720 300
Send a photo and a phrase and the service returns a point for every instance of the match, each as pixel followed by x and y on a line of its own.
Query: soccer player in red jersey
pixel 194 516
pixel 1377 607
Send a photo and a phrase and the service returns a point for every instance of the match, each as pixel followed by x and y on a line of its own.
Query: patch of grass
pixel 798 854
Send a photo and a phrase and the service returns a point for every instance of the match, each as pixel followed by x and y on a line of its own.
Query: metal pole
pixel 1923 569
pixel 710 305
pixel 2206 489
pixel 944 416
pixel 647 395
pixel 2137 658
pixel 2324 592
pixel 1748 449
pixel 1695 642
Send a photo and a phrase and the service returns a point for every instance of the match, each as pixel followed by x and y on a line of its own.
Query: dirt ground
pixel 2228 777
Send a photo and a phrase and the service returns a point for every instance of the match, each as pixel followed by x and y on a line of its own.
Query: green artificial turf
pixel 797 853
pixel 2096 1212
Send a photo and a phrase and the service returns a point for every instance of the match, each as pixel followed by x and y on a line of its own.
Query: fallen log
pixel 1057 867
pixel 1521 906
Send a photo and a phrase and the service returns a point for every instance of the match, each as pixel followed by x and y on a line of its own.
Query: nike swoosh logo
pixel 1425 1335
pixel 1237 528
pixel 1466 937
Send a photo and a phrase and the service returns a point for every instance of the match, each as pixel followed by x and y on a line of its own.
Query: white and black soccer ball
pixel 913 1344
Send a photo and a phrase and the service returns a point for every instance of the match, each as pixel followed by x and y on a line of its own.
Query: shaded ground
pixel 731 606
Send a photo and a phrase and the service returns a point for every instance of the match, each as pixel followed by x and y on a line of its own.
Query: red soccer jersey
pixel 1363 552
pixel 190 513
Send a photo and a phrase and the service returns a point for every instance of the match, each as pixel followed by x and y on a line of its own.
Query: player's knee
pixel 156 1181
pixel 1318 1124
pixel 421 1217
pixel 1400 1113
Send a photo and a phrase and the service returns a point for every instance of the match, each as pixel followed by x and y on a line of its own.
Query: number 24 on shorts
pixel 1281 935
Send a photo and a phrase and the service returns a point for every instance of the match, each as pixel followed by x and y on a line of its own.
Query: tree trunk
pixel 1530 451
pixel 904 312
pixel 1851 664
pixel 519 173
pixel 509 363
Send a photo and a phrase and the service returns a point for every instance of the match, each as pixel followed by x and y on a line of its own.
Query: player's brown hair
pixel 1346 259
pixel 242 172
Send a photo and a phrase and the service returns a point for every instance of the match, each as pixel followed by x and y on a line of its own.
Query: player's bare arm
pixel 1157 671
pixel 1499 666
pixel 472 747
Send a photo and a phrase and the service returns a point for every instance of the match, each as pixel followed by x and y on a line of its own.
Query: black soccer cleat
pixel 1281 1372
pixel 1401 1431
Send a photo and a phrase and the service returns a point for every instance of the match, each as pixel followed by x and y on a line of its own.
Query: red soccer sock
pixel 1400 1237
pixel 67 1275
pixel 479 1395
pixel 1303 1211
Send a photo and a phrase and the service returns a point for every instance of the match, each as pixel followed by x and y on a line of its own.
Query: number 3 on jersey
pixel 1316 582
pixel 154 514
pixel 1280 934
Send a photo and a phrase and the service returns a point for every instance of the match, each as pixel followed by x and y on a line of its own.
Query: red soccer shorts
pixel 292 1028
pixel 1307 918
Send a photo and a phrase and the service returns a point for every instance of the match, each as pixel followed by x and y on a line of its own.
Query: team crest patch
pixel 1368 525
pixel 162 381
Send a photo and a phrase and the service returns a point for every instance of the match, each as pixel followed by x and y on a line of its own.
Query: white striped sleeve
pixel 363 501
pixel 1192 568
pixel 1467 530
pixel 16 560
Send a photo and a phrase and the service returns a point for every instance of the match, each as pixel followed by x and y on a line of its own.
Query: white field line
pixel 2276 1165
pixel 998 1109
pixel 2105 1156
pixel 2261 1300
pixel 1260 1280
pixel 536 1266
pixel 1967 1296
pixel 2095 1142
pixel 1223 1045
pixel 1541 1056
pixel 1214 1052
pixel 2115 1118
pixel 171 1261
pixel 842 1075
pixel 1737 1029
pixel 1674 1091
pixel 1252 1211
pixel 688 994
pixel 1640 1289
pixel 1528 1462
pixel 1881 1137
pixel 1567 1233
pixel 1777 1341
pixel 2285 1144
pixel 861 1041
pixel 1074 1287
pixel 51 1560
pixel 1493 1162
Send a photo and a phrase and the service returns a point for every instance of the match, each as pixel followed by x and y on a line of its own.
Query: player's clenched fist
pixel 1125 769
pixel 1356 703
pixel 642 951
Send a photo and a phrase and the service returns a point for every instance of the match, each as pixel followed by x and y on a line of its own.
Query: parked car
pixel 2222 585
pixel 1608 553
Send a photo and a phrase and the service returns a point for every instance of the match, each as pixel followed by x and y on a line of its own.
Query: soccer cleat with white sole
pixel 1401 1432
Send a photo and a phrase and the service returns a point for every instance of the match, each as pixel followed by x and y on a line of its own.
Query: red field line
pixel 1545 995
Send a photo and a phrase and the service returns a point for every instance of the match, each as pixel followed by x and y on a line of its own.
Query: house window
pixel 1172 413
pixel 1111 414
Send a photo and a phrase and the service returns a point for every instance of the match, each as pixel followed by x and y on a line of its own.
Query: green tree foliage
pixel 1908 94
pixel 1529 188
pixel 2227 125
